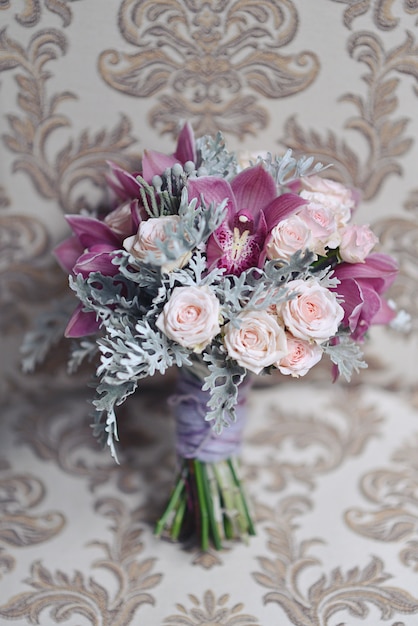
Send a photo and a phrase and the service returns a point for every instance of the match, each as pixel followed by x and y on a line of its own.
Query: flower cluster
pixel 201 262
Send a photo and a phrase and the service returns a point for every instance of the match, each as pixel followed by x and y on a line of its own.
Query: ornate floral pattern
pixel 392 492
pixel 321 431
pixel 206 62
pixel 384 17
pixel 21 524
pixel 31 13
pixel 210 611
pixel 332 471
pixel 384 136
pixel 62 596
pixel 351 592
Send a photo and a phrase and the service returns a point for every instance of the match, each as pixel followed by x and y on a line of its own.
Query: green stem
pixel 208 499
pixel 242 498
pixel 202 504
pixel 179 517
pixel 170 507
pixel 210 508
pixel 216 497
pixel 230 513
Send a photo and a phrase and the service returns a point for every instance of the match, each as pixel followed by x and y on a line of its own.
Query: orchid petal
pixel 98 260
pixel 186 150
pixel 67 252
pixel 371 306
pixel 282 207
pixel 136 215
pixel 350 291
pixel 214 190
pixel 124 184
pixel 385 314
pixel 82 323
pixel 214 251
pixel 155 163
pixel 376 266
pixel 91 231
pixel 254 188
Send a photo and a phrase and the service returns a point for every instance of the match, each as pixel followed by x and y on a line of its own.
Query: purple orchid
pixel 361 286
pixel 253 210
pixel 94 242
pixel 154 163
pixel 90 249
pixel 125 185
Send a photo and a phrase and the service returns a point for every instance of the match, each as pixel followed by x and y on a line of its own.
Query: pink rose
pixel 321 221
pixel 191 317
pixel 257 342
pixel 287 237
pixel 356 243
pixel 149 232
pixel 330 194
pixel 300 358
pixel 314 313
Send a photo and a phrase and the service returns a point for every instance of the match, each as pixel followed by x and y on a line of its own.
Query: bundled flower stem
pixel 209 502
pixel 208 499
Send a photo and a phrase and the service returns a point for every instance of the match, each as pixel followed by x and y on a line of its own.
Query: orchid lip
pixel 244 222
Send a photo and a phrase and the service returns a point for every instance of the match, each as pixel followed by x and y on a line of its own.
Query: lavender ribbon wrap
pixel 195 437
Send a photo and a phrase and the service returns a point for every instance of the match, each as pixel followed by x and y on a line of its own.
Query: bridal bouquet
pixel 224 272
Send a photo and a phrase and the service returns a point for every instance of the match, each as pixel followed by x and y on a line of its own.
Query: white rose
pixel 356 243
pixel 149 232
pixel 330 194
pixel 317 188
pixel 191 317
pixel 301 356
pixel 314 313
pixel 320 220
pixel 257 342
pixel 287 237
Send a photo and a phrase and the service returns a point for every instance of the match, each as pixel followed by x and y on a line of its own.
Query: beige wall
pixel 331 469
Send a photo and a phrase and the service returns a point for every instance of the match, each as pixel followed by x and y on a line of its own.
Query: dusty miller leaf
pixel 214 158
pixel 222 382
pixel 48 330
pixel 346 355
pixel 286 169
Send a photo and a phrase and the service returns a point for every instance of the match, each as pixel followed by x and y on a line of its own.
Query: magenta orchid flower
pixel 253 210
pixel 155 163
pixel 125 185
pixel 90 249
pixel 361 286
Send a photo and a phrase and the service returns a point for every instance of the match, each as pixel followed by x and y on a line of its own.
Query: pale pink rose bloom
pixel 257 342
pixel 191 317
pixel 120 220
pixel 301 356
pixel 357 241
pixel 317 189
pixel 287 237
pixel 149 232
pixel 320 220
pixel 314 313
pixel 330 194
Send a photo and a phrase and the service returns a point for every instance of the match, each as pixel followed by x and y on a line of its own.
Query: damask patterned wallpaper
pixel 86 81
